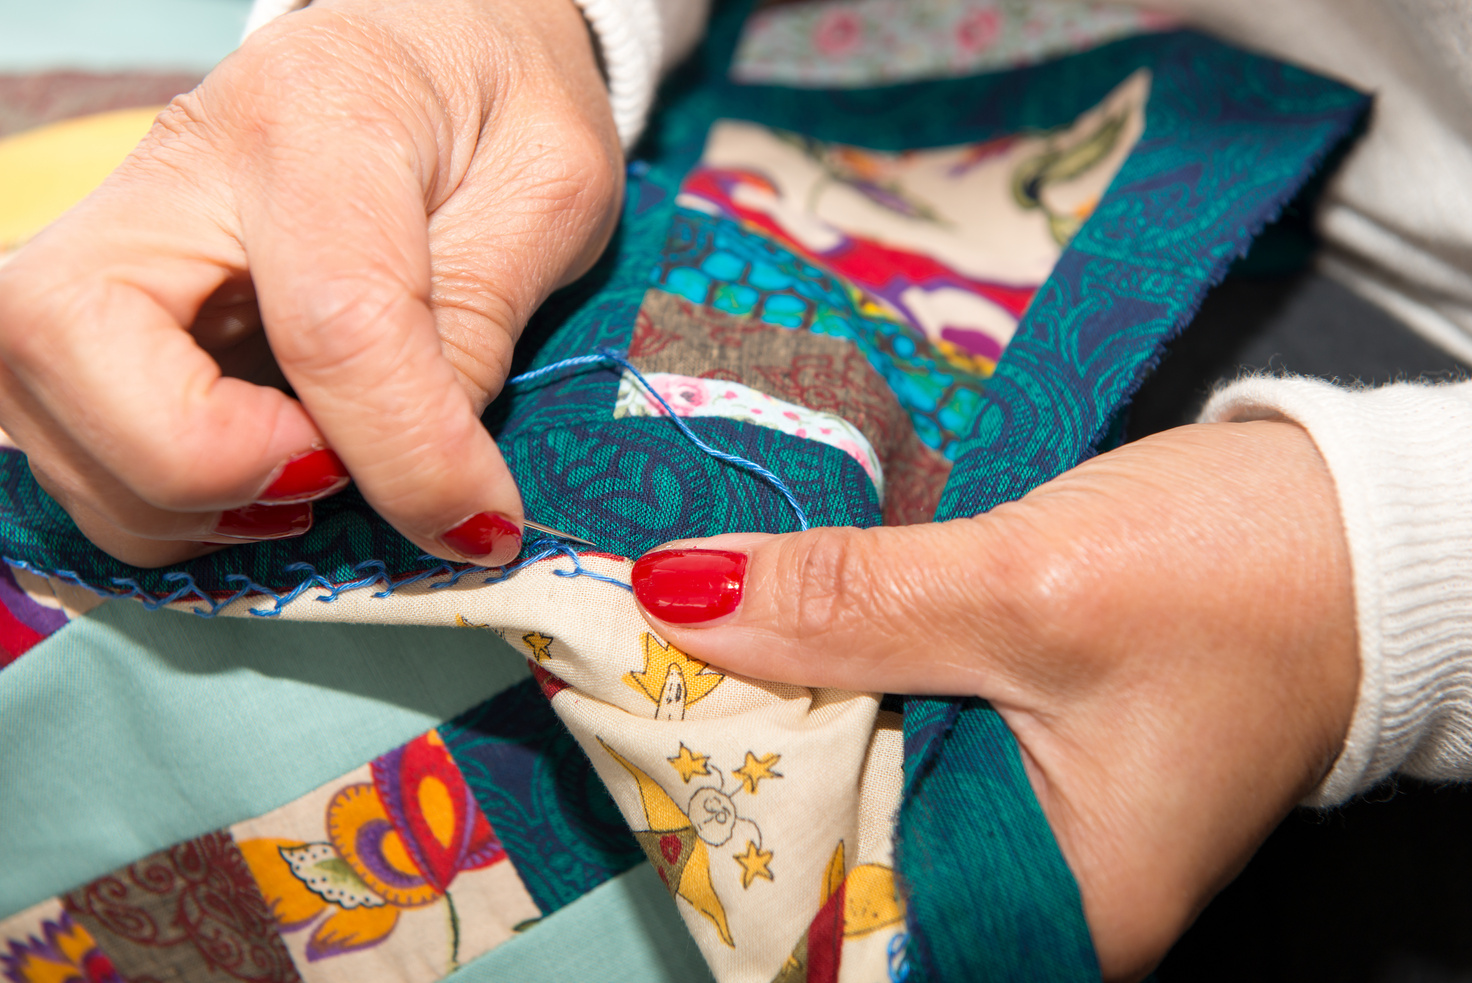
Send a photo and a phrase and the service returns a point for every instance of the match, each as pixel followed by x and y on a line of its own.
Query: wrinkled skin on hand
pixel 366 201
pixel 1168 630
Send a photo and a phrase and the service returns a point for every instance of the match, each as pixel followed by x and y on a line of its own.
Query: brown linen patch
pixel 188 914
pixel 822 373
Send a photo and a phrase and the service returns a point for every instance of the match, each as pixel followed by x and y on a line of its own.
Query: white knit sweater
pixel 1397 223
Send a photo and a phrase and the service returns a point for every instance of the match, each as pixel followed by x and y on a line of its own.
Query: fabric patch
pixel 24 621
pixel 820 372
pixel 689 396
pixel 748 788
pixel 44 944
pixel 553 815
pixel 824 43
pixel 953 242
pixel 189 913
pixel 629 485
pixel 390 872
pixel 720 266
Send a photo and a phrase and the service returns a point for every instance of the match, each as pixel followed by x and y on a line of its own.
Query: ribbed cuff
pixel 631 35
pixel 1401 458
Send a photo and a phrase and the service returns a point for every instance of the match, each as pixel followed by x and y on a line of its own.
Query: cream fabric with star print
pixel 767 809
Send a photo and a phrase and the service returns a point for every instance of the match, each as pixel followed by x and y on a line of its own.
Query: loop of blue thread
pixel 604 355
pixel 899 965
pixel 371 572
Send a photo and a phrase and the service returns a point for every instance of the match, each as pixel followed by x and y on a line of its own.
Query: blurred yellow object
pixel 45 171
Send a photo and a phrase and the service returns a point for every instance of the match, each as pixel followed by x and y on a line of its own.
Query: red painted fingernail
pixel 686 587
pixel 306 477
pixel 265 521
pixel 488 538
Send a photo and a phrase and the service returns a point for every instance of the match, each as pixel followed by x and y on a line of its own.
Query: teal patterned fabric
pixel 553 816
pixel 1229 139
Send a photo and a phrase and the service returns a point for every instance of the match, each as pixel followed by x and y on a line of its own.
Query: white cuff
pixel 263 12
pixel 632 37
pixel 641 40
pixel 1401 458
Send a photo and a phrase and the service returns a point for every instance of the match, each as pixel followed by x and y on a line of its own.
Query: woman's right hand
pixel 366 202
pixel 1168 629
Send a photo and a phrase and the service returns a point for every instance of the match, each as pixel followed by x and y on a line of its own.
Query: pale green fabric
pixel 101 760
pixel 118 35
pixel 626 930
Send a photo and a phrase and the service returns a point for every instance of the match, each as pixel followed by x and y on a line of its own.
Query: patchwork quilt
pixel 909 302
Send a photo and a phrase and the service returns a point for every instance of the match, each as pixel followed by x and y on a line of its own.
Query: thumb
pixel 898 609
pixel 340 256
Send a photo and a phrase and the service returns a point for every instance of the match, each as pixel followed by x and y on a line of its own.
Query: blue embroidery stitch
pixel 609 355
pixel 373 572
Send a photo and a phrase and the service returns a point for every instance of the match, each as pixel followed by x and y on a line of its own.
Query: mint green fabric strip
pixel 625 930
pixel 128 730
pixel 118 35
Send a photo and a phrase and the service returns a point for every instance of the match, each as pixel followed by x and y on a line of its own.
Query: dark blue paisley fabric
pixel 557 822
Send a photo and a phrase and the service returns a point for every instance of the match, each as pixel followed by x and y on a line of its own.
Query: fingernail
pixel 488 538
pixel 306 477
pixel 686 587
pixel 265 521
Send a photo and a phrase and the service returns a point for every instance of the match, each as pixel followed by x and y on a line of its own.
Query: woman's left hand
pixel 1168 630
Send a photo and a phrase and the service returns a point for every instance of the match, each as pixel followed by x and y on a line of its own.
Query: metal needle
pixel 556 532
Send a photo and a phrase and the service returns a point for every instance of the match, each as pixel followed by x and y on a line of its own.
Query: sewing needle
pixel 555 532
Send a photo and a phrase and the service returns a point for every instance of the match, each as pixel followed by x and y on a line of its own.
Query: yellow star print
pixel 755 769
pixel 692 679
pixel 539 644
pixel 689 764
pixel 753 864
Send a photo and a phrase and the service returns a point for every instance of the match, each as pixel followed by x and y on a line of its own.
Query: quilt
pixel 831 306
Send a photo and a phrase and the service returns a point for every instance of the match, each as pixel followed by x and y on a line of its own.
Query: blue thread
pixel 899 962
pixel 578 570
pixel 609 355
pixel 441 567
pixel 370 573
pixel 373 572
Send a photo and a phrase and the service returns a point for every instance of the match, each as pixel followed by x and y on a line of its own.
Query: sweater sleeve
pixel 640 40
pixel 1401 459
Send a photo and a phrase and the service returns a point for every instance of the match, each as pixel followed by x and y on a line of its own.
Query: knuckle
pixel 565 166
pixel 20 343
pixel 835 581
pixel 1042 592
pixel 163 474
pixel 340 328
pixel 182 117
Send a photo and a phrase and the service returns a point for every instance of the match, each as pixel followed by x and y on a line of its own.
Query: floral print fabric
pixel 689 396
pixel 822 43
pixel 45 944
pixel 390 872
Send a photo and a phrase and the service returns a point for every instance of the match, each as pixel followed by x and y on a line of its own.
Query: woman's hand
pixel 381 190
pixel 1168 629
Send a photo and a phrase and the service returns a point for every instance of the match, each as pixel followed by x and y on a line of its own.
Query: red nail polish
pixel 265 521
pixel 486 537
pixel 686 587
pixel 308 476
